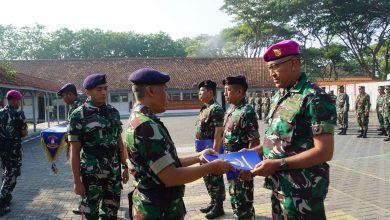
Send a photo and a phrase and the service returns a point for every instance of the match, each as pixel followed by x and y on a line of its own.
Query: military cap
pixel 362 87
pixel 94 80
pixel 69 87
pixel 148 76
pixel 14 94
pixel 341 87
pixel 381 87
pixel 232 80
pixel 281 49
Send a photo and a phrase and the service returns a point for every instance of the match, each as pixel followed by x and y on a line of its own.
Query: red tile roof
pixel 23 80
pixel 185 72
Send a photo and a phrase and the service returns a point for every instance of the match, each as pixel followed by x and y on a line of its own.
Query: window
pixel 186 96
pixel 174 96
pixel 190 96
pixel 115 98
pixel 124 98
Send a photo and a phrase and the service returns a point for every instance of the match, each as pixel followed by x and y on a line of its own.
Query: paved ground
pixel 360 180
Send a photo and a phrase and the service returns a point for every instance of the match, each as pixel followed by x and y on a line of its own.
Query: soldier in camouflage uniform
pixel 241 131
pixel 12 129
pixel 266 106
pixel 210 126
pixel 298 140
pixel 379 109
pixel 252 99
pixel 97 152
pixel 259 105
pixel 159 174
pixel 68 93
pixel 386 112
pixel 362 108
pixel 342 106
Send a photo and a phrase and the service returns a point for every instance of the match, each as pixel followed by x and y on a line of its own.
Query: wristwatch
pixel 283 164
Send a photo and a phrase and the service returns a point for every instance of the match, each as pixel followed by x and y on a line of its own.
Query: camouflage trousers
pixel 11 164
pixel 266 110
pixel 342 119
pixel 215 187
pixel 259 113
pixel 241 193
pixel 362 120
pixel 103 192
pixel 380 119
pixel 295 208
pixel 386 122
pixel 144 208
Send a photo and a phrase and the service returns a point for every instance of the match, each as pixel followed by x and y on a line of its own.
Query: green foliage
pixel 7 68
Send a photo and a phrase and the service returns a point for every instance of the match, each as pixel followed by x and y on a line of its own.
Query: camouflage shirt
pixel 150 148
pixel 296 116
pixel 386 105
pixel 12 123
pixel 342 103
pixel 363 103
pixel 97 129
pixel 380 100
pixel 73 106
pixel 266 102
pixel 241 126
pixel 210 116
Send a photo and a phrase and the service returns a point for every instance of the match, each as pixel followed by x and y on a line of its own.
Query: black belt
pixel 235 147
pixel 163 193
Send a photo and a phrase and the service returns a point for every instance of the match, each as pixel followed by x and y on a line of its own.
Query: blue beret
pixel 94 80
pixel 209 84
pixel 233 80
pixel 69 87
pixel 148 76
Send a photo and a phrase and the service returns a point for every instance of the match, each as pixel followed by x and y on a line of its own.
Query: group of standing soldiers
pixel 362 110
pixel 261 103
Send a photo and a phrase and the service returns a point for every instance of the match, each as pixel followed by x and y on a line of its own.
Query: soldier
pixel 241 131
pixel 159 174
pixel 342 106
pixel 259 105
pixel 97 151
pixel 252 100
pixel 210 126
pixel 266 106
pixel 68 93
pixel 332 95
pixel 379 109
pixel 386 112
pixel 13 128
pixel 362 108
pixel 299 139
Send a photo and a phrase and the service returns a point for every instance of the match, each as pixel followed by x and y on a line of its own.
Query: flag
pixel 208 143
pixel 52 139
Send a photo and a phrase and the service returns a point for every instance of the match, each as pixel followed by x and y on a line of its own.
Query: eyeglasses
pixel 277 65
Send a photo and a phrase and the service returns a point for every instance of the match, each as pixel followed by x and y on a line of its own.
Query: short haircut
pixel 139 91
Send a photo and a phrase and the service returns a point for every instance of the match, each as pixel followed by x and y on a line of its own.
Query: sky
pixel 178 18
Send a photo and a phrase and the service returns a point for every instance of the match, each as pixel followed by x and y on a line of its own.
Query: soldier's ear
pixel 149 91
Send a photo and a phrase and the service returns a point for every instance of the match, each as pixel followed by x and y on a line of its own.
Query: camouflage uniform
pixel 210 117
pixel 12 124
pixel 362 107
pixel 296 116
pixel 151 149
pixel 240 128
pixel 266 107
pixel 342 106
pixel 380 100
pixel 97 129
pixel 386 113
pixel 259 106
pixel 73 106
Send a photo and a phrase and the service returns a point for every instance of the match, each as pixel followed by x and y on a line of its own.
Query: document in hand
pixel 240 160
pixel 204 144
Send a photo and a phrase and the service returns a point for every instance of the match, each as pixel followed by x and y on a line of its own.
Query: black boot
pixel 4 205
pixel 341 132
pixel 216 211
pixel 387 139
pixel 383 132
pixel 361 134
pixel 344 131
pixel 365 133
pixel 76 211
pixel 208 207
pixel 379 129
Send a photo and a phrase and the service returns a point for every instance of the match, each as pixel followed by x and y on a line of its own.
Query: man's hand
pixel 221 166
pixel 125 175
pixel 79 188
pixel 206 151
pixel 266 167
pixel 245 175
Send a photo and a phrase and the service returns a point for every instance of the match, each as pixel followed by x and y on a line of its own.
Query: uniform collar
pixel 10 107
pixel 241 103
pixel 212 101
pixel 298 85
pixel 140 108
pixel 91 105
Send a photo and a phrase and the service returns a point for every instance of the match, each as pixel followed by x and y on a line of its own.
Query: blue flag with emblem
pixel 52 139
pixel 207 143
pixel 240 160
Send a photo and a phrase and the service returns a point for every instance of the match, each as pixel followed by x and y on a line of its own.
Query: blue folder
pixel 208 143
